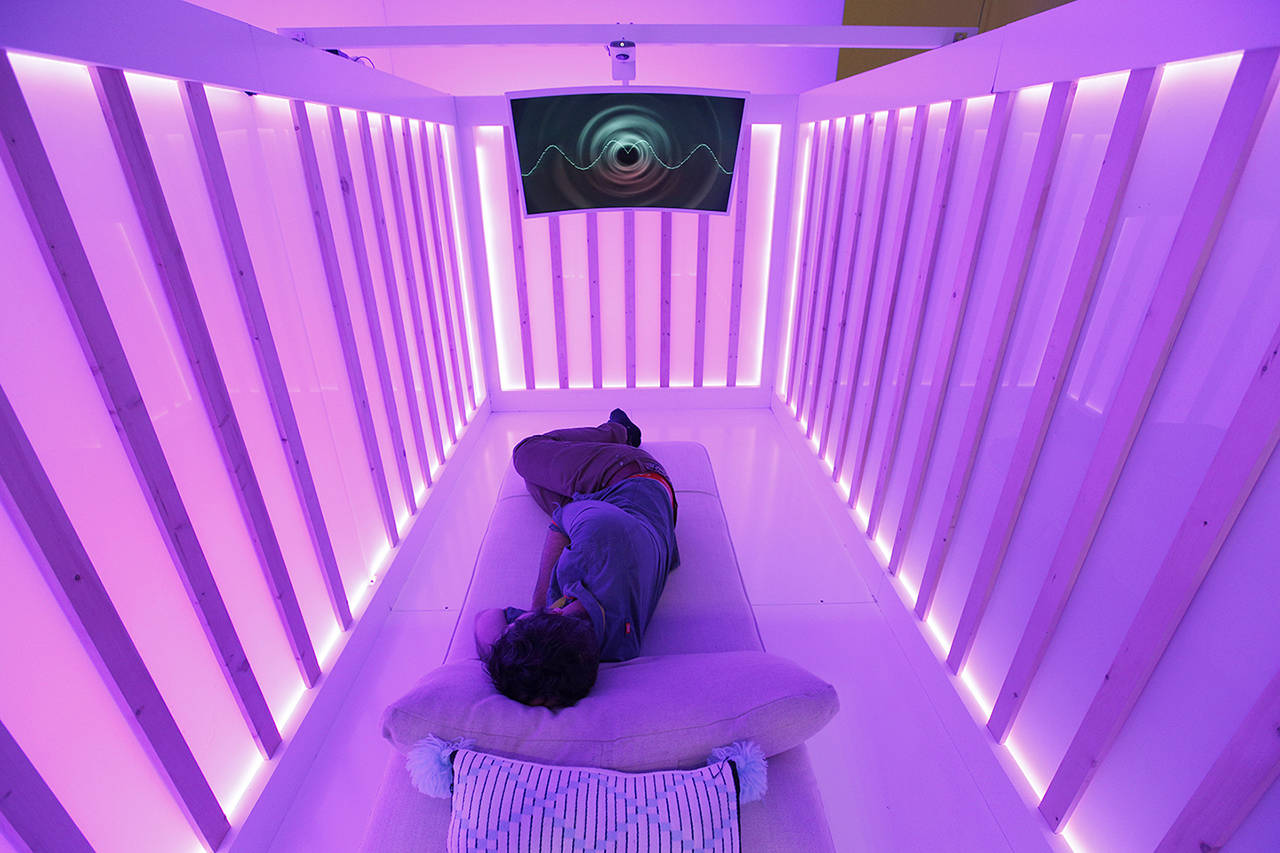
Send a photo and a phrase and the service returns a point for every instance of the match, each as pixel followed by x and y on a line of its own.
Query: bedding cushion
pixel 650 713
pixel 507 804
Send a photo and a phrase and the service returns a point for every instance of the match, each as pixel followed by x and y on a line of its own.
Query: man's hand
pixel 554 544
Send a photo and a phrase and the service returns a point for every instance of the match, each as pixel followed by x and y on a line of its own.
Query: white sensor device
pixel 622 59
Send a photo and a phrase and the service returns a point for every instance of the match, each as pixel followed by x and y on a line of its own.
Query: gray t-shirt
pixel 622 545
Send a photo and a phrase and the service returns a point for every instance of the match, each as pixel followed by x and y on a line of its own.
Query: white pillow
pixel 506 804
pixel 649 713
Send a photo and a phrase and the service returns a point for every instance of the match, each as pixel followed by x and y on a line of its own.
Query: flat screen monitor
pixel 619 148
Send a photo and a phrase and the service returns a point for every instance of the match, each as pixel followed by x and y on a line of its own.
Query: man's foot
pixel 633 432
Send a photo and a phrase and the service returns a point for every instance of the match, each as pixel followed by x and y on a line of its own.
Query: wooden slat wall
pixel 998 354
pixel 657 282
pixel 413 304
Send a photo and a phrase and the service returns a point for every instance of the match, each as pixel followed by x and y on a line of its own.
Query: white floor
pixel 892 778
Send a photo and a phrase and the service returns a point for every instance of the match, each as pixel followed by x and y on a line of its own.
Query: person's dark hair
pixel 545 659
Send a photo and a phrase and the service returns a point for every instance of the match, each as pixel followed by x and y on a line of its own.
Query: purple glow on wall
pixel 902 523
pixel 1027 407
pixel 668 344
pixel 101 491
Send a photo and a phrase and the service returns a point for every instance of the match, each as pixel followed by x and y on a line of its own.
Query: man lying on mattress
pixel 605 561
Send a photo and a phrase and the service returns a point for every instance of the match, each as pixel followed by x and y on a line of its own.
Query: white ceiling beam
pixel 763 35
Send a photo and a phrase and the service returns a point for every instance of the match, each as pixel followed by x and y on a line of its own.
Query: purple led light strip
pixel 342 314
pixel 593 294
pixel 517 250
pixel 37 189
pixel 1095 236
pixel 175 277
pixel 1237 129
pixel 897 250
pixel 919 299
pixel 389 279
pixel 444 284
pixel 430 293
pixel 742 167
pixel 997 130
pixel 222 201
pixel 30 808
pixel 868 332
pixel 629 290
pixel 557 298
pixel 700 304
pixel 415 304
pixel 664 304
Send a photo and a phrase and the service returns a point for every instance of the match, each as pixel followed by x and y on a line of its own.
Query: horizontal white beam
pixel 765 35
pixel 186 42
pixel 1063 43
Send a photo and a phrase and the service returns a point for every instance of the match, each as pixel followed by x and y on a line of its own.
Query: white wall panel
pixel 1186 107
pixel 1218 662
pixel 138 570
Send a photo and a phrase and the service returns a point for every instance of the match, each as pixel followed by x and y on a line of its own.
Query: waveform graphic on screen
pixel 626 149
pixel 627 152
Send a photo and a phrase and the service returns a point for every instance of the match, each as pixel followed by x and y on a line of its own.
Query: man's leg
pixel 564 462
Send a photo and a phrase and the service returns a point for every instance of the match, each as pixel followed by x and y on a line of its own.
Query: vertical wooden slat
pixel 1245 769
pixel 980 205
pixel 446 205
pixel 593 295
pixel 807 238
pixel 175 278
pixel 517 250
pixel 30 808
pixel 430 293
pixel 394 308
pixel 222 200
pixel 858 304
pixel 897 250
pixel 364 275
pixel 861 346
pixel 742 167
pixel 42 522
pixel 664 303
pixel 411 285
pixel 557 298
pixel 823 250
pixel 842 183
pixel 1008 296
pixel 46 210
pixel 448 289
pixel 629 290
pixel 1082 278
pixel 916 306
pixel 1231 474
pixel 342 316
pixel 700 305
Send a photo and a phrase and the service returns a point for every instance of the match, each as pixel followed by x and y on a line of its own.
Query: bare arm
pixel 555 543
pixel 489 626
